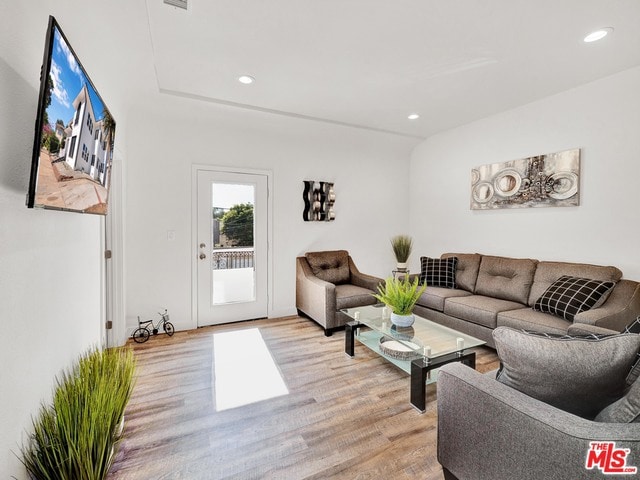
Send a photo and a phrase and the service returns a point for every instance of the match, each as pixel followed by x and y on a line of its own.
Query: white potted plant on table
pixel 400 295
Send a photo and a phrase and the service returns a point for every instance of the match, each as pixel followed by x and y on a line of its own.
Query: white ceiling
pixel 369 63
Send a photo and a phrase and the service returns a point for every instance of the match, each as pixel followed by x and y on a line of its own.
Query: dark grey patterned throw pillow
pixel 438 272
pixel 568 296
pixel 634 327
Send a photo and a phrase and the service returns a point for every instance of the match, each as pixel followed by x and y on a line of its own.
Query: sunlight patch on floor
pixel 244 371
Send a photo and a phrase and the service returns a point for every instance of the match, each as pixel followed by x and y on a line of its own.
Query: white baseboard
pixel 283 312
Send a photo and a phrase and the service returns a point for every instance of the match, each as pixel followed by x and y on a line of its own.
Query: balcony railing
pixel 224 259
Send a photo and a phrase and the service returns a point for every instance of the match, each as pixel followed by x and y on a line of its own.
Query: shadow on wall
pixel 18 105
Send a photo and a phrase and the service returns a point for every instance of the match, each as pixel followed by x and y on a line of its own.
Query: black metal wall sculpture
pixel 319 198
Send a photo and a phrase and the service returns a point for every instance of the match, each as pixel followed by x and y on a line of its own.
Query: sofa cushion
pixel 549 272
pixel 478 309
pixel 506 278
pixel 330 266
pixel 349 296
pixel 580 375
pixel 528 319
pixel 625 409
pixel 466 270
pixel 568 296
pixel 434 297
pixel 438 272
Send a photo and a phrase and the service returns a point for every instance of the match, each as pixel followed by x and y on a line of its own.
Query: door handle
pixel 202 256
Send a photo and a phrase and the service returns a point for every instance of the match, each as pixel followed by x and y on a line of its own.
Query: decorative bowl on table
pixel 400 351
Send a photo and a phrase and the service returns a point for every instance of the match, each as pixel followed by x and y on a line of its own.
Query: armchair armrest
pixel 362 279
pixel 314 296
pixel 488 430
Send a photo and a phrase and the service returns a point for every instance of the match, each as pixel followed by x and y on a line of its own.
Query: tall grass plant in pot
pixel 402 246
pixel 400 295
pixel 76 436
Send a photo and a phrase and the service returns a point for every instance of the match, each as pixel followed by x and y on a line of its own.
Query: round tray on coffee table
pixel 400 351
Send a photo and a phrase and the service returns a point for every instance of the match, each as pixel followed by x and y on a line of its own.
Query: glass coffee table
pixel 418 350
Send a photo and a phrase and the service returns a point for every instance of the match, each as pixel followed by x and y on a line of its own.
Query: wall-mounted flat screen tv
pixel 74 135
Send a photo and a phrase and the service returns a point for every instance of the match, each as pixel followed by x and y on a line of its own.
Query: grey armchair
pixel 329 281
pixel 487 430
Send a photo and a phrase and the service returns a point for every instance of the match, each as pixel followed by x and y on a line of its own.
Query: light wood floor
pixel 343 417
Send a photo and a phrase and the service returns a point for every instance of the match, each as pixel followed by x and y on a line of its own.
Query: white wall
pixel 50 261
pixel 169 134
pixel 601 118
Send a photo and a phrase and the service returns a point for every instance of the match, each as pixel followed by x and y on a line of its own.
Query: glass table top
pixel 424 337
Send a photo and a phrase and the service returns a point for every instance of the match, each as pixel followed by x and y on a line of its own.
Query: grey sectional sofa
pixel 496 291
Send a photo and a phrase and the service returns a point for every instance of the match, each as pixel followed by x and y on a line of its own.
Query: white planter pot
pixel 402 320
pixel 401 267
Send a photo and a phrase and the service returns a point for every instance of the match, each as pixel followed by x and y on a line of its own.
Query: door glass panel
pixel 232 256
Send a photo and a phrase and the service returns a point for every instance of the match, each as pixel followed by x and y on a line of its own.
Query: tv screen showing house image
pixel 73 144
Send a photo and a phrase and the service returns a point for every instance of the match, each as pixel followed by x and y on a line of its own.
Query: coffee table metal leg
pixel 349 337
pixel 419 371
pixel 470 361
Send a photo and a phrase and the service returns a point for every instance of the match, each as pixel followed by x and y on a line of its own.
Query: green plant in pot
pixel 400 295
pixel 402 245
pixel 77 435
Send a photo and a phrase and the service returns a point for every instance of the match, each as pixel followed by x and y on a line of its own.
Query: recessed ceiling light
pixel 413 116
pixel 246 79
pixel 598 34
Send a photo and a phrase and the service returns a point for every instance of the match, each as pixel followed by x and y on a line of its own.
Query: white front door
pixel 231 246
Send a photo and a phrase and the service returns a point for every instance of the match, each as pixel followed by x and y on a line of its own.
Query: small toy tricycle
pixel 146 328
